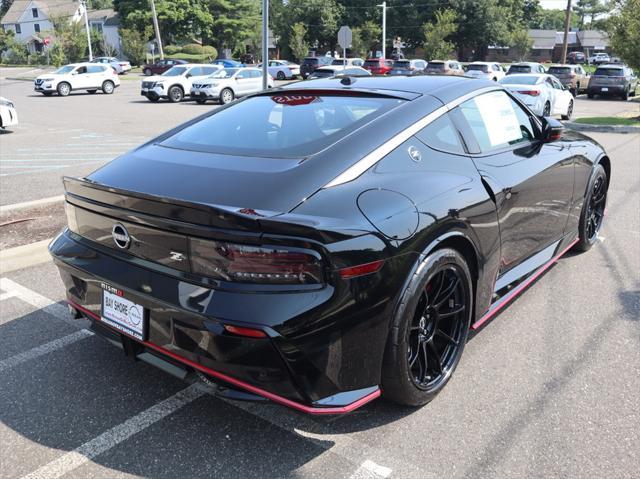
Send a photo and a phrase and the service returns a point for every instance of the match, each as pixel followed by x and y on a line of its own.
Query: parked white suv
pixel 599 58
pixel 78 76
pixel 175 83
pixel 485 70
pixel 229 83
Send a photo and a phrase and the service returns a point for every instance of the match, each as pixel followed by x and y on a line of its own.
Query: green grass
pixel 609 120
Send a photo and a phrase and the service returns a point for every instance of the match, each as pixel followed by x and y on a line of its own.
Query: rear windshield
pixel 520 80
pixel 520 68
pixel 480 68
pixel 310 61
pixel 559 70
pixel 372 63
pixel 322 73
pixel 609 72
pixel 439 65
pixel 281 126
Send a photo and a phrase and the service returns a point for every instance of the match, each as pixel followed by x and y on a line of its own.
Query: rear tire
pixel 547 109
pixel 590 95
pixel 569 111
pixel 592 214
pixel 429 330
pixel 147 72
pixel 108 87
pixel 64 89
pixel 281 76
pixel 625 95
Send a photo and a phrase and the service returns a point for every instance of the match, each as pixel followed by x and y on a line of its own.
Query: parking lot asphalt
pixel 548 389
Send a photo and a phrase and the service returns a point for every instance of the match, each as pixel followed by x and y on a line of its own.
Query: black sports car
pixel 330 241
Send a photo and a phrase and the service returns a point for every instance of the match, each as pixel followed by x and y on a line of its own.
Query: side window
pixel 441 135
pixel 81 70
pixel 208 70
pixel 496 121
pixel 255 73
pixel 95 69
pixel 196 72
pixel 242 74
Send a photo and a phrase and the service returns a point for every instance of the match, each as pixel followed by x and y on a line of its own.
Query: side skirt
pixel 507 298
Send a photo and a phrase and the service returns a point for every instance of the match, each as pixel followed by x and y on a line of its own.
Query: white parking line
pixel 114 436
pixel 339 444
pixel 43 349
pixel 4 296
pixel 38 301
pixel 370 470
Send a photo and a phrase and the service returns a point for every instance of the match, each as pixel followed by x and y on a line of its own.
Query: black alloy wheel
pixel 593 210
pixel 431 330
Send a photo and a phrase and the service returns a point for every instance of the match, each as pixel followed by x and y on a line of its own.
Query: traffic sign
pixel 344 37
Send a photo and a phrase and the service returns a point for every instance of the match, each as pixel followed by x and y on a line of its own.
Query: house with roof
pixel 29 19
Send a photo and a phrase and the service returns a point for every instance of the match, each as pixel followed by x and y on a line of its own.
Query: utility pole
pixel 567 19
pixel 86 25
pixel 384 28
pixel 157 29
pixel 265 43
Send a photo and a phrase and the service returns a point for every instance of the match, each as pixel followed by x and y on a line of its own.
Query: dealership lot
pixel 548 389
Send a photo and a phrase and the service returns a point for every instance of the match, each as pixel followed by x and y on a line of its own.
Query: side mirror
pixel 188 75
pixel 551 129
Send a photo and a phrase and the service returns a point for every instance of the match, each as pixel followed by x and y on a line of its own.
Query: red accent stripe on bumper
pixel 521 287
pixel 241 384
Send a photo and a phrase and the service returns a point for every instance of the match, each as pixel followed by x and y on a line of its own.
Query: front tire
pixel 429 330
pixel 108 87
pixel 175 94
pixel 226 96
pixel 569 113
pixel 592 214
pixel 625 95
pixel 64 89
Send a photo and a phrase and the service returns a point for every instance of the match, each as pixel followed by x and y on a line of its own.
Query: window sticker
pixel 499 118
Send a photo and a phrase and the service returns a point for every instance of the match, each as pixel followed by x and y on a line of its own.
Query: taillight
pixel 529 92
pixel 254 264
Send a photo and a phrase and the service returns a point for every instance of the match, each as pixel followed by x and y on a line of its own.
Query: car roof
pixel 524 64
pixel 444 88
pixel 483 63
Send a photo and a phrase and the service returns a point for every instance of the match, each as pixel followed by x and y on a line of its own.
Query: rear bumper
pixel 606 89
pixel 186 326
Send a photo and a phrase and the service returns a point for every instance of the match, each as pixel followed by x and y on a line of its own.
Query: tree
pixel 299 47
pixel 625 32
pixel 520 44
pixel 320 17
pixel 590 9
pixel 134 44
pixel 365 38
pixel 234 22
pixel 69 39
pixel 436 33
pixel 553 20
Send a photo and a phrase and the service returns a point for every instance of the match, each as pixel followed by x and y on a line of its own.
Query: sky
pixel 549 4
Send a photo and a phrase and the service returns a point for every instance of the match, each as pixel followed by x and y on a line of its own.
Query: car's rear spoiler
pixel 200 219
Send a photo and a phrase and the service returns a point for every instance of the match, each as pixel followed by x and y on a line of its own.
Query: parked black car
pixel 310 64
pixel 325 242
pixel 613 80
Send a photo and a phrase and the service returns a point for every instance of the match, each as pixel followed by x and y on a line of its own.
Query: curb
pixel 602 128
pixel 20 257
pixel 30 204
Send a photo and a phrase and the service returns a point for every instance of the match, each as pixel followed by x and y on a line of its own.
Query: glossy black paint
pixel 325 342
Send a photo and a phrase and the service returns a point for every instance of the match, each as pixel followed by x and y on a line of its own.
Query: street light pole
pixel 384 28
pixel 157 29
pixel 86 25
pixel 265 43
pixel 565 42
